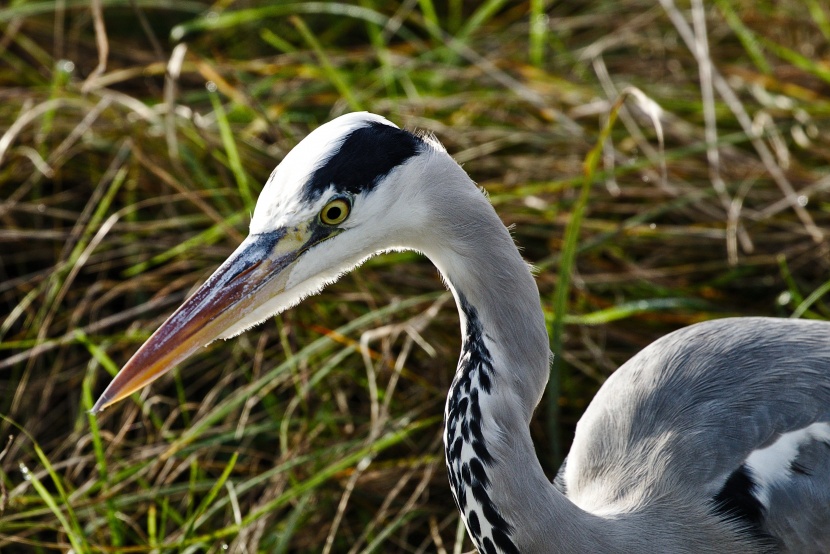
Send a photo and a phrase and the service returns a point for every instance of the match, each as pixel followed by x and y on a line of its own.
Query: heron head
pixel 345 192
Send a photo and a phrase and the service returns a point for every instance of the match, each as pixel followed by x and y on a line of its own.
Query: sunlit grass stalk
pixel 194 522
pixel 209 236
pixel 805 63
pixel 152 526
pixel 60 77
pixel 290 524
pixel 385 441
pixel 538 31
pixel 334 76
pixel 810 300
pixel 745 35
pixel 570 245
pixel 29 9
pixel 68 520
pixel 277 41
pixel 384 56
pixel 324 370
pixel 70 524
pixel 100 210
pixel 792 287
pixel 455 9
pixel 430 16
pixel 754 43
pixel 235 18
pixel 236 398
pixel 388 529
pixel 626 310
pixel 819 15
pixel 116 537
pixel 229 142
pixel 484 13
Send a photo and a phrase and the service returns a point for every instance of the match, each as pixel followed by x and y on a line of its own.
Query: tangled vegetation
pixel 135 137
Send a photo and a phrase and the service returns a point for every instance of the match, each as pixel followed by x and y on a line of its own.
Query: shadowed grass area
pixel 135 137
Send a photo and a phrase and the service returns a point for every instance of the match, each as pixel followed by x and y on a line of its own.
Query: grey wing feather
pixel 677 420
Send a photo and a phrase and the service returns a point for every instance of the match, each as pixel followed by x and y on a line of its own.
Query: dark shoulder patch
pixel 366 155
pixel 737 502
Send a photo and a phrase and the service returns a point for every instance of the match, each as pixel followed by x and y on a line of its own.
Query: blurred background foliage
pixel 135 136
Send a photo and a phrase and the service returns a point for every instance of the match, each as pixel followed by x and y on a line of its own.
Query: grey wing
pixel 731 414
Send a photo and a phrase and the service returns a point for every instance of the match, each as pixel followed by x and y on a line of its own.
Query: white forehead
pixel 281 197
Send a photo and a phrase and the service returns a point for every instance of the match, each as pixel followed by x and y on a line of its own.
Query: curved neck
pixel 507 503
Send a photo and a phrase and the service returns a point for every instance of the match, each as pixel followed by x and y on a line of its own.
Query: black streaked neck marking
pixel 468 458
pixel 366 155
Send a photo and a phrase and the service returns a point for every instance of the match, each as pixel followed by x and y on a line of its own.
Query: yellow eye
pixel 335 212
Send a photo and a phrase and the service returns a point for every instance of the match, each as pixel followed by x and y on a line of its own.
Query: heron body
pixel 715 438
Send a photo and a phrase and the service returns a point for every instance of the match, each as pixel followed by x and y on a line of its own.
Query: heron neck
pixel 504 497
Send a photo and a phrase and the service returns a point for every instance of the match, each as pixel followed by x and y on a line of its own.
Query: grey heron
pixel 715 438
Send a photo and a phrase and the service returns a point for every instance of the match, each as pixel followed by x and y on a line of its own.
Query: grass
pixel 126 178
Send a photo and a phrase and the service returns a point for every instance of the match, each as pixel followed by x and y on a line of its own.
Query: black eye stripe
pixel 366 155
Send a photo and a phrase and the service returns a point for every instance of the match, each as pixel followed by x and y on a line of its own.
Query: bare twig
pixel 102 43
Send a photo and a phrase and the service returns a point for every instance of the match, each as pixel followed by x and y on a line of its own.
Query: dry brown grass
pixel 119 194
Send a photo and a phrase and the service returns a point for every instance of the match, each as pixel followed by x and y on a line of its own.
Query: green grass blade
pixel 207 501
pixel 69 524
pixel 430 17
pixel 209 236
pixel 291 524
pixel 810 300
pixel 117 538
pixel 566 262
pixel 816 68
pixel 538 32
pixel 68 520
pixel 817 12
pixel 236 18
pixel 229 142
pixel 384 442
pixel 484 13
pixel 29 9
pixel 239 396
pixel 626 310
pixel 277 41
pixel 745 35
pixel 334 76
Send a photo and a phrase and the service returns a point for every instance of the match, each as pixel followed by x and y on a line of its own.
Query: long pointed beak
pixel 255 272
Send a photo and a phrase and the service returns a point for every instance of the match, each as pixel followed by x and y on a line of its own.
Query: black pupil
pixel 333 213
